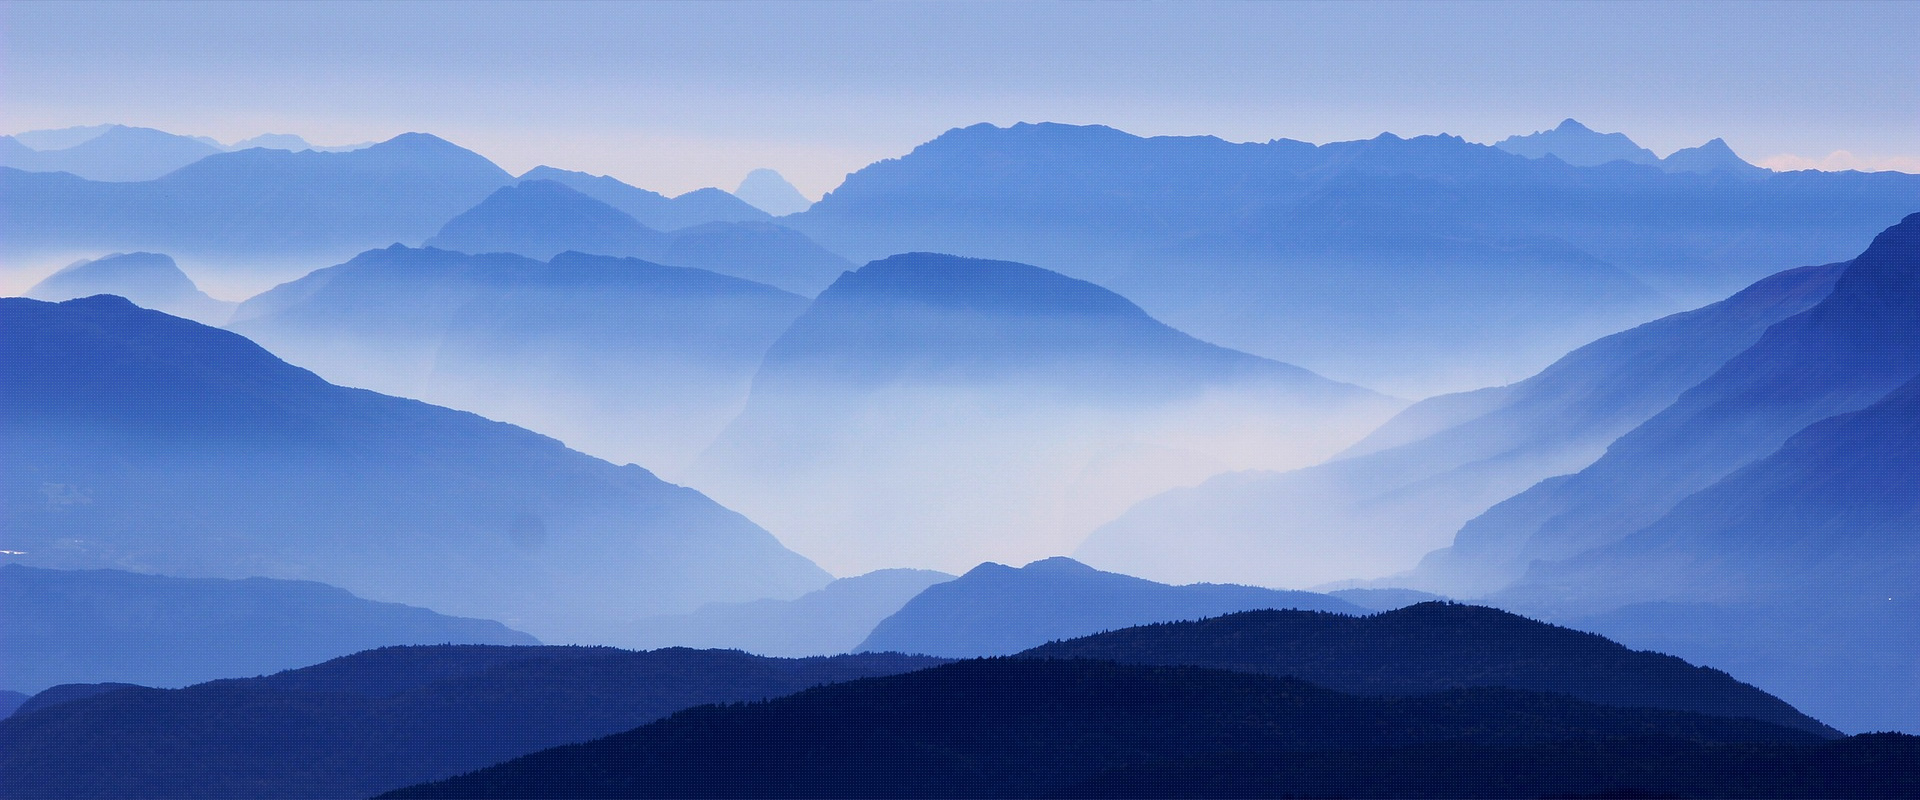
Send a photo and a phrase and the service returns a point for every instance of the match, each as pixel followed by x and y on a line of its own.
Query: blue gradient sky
pixel 674 96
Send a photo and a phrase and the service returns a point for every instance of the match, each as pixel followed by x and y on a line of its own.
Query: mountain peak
pixel 1714 156
pixel 1578 145
pixel 1571 125
pixel 769 191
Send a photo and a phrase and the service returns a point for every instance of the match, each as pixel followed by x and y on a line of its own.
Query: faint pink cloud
pixel 1841 160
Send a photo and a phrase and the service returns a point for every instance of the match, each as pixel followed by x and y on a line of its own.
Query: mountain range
pixel 103 625
pixel 1411 265
pixel 1581 146
pixel 1410 485
pixel 139 440
pixel 626 359
pixel 377 720
pixel 996 610
pixel 832 619
pixel 150 280
pixel 965 410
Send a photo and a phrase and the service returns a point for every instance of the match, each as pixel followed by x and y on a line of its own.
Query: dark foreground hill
pixel 1035 727
pixel 379 719
pixel 1433 647
pixel 135 438
pixel 89 626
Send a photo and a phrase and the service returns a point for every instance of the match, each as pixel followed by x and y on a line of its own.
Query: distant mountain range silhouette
pixel 378 720
pixel 963 409
pixel 118 153
pixel 999 610
pixel 827 621
pixel 133 437
pixel 1581 146
pixel 89 626
pixel 542 219
pixel 151 280
pixel 1410 485
pixel 769 191
pixel 626 359
pixel 1412 265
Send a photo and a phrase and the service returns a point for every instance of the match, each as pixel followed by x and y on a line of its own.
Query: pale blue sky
pixel 673 96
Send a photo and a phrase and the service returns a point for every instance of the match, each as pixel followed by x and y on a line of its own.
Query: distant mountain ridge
pixel 993 410
pixel 996 610
pixel 151 280
pixel 93 626
pixel 1410 485
pixel 139 439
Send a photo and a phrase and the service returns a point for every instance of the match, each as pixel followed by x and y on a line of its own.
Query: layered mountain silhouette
pixel 139 440
pixel 380 719
pixel 1713 157
pixel 92 626
pixel 542 219
pixel 118 153
pixel 1843 354
pixel 1578 145
pixel 9 701
pixel 999 610
pixel 626 359
pixel 1409 486
pixel 1411 265
pixel 254 217
pixel 1772 499
pixel 150 280
pixel 769 191
pixel 833 619
pixel 1038 727
pixel 1434 647
pixel 653 209
pixel 952 411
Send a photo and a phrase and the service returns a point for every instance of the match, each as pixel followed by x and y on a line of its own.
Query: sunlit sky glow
pixel 675 96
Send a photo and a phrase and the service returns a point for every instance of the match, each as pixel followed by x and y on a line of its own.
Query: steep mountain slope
pixel 1434 647
pixel 541 219
pixel 92 626
pixel 998 610
pixel 653 209
pixel 1031 727
pixel 1843 354
pixel 1411 265
pixel 1408 487
pixel 139 440
pixel 769 191
pixel 621 358
pixel 833 619
pixel 379 719
pixel 936 412
pixel 151 280
pixel 119 154
pixel 252 218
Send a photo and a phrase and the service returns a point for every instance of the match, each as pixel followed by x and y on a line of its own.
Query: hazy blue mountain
pixel 1036 727
pixel 757 251
pixel 251 218
pixel 831 620
pixel 1843 354
pixel 1578 145
pixel 93 626
pixel 119 153
pixel 1713 157
pixel 60 138
pixel 933 411
pixel 768 191
pixel 653 209
pixel 541 219
pixel 998 610
pixel 622 358
pixel 380 719
pixel 136 440
pixel 151 280
pixel 68 692
pixel 10 700
pixel 1434 647
pixel 1408 487
pixel 1384 599
pixel 13 152
pixel 1411 265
